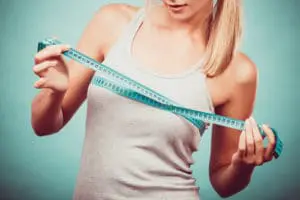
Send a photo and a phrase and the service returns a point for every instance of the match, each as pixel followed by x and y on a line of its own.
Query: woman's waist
pixel 127 187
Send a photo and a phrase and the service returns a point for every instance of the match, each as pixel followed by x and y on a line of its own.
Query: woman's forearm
pixel 231 179
pixel 46 111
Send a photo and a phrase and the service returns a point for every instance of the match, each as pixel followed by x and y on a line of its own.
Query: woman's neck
pixel 161 19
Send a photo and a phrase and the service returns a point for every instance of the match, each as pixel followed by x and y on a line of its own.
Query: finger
pixel 271 143
pixel 258 141
pixel 249 139
pixel 40 83
pixel 44 83
pixel 242 145
pixel 44 65
pixel 50 51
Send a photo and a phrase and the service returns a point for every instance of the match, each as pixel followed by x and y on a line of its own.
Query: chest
pixel 164 53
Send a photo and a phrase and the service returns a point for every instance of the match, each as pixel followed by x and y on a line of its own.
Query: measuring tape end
pixel 47 42
pixel 41 46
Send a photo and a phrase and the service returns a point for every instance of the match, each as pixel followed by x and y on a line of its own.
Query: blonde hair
pixel 223 36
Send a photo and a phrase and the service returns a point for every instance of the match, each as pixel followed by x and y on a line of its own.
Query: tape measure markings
pixel 129 88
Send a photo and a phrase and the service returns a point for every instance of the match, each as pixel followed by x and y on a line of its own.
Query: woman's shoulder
pixel 242 69
pixel 116 15
pixel 240 78
pixel 110 20
pixel 120 11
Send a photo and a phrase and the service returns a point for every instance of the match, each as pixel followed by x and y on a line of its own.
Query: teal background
pixel 34 167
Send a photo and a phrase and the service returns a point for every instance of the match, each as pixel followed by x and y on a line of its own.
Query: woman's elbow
pixel 224 193
pixel 43 131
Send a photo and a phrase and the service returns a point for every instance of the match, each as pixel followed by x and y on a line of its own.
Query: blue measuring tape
pixel 127 87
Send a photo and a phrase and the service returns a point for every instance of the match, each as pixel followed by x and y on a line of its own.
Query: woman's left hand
pixel 251 150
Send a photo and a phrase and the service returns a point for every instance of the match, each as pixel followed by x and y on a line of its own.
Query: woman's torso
pixel 133 151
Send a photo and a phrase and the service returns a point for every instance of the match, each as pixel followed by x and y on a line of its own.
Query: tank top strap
pixel 135 24
pixel 127 35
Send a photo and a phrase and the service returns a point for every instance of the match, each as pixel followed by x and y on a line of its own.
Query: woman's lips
pixel 177 7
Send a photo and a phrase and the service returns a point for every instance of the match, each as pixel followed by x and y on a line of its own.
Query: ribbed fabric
pixel 133 151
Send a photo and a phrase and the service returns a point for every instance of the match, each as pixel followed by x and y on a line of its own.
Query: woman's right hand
pixel 52 69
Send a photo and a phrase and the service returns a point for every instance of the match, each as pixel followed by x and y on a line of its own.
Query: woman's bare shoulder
pixel 117 12
pixel 240 76
pixel 111 19
pixel 243 69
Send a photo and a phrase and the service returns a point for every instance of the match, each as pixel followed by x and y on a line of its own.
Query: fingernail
pixel 66 46
pixel 247 123
pixel 253 120
pixel 265 126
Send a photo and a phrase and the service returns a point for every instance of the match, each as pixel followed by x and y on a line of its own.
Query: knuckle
pixel 250 161
pixel 269 158
pixel 36 58
pixel 47 49
pixel 50 63
pixel 271 134
pixel 52 50
pixel 245 160
pixel 242 149
pixel 58 50
pixel 54 63
pixel 259 163
pixel 250 143
pixel 273 140
pixel 259 149
pixel 241 152
pixel 272 143
pixel 46 64
pixel 250 148
pixel 250 140
pixel 259 139
pixel 259 142
pixel 35 69
pixel 50 47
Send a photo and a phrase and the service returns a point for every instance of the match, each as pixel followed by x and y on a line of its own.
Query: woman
pixel 185 51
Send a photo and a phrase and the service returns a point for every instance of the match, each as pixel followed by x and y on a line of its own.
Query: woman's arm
pixel 52 109
pixel 234 154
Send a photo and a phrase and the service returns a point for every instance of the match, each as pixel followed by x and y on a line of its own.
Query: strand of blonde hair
pixel 224 34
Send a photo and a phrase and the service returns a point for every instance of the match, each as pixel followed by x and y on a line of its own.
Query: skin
pixel 63 86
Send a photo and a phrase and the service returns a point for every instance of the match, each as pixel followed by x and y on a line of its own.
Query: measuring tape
pixel 127 87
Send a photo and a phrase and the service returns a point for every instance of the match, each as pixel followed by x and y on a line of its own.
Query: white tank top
pixel 133 151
